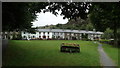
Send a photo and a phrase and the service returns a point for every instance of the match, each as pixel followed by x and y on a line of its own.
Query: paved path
pixel 104 59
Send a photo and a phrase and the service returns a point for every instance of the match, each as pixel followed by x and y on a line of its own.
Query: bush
pixel 17 37
pixel 108 34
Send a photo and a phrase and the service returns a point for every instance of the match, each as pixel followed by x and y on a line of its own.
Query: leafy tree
pixel 31 30
pixel 59 25
pixel 106 15
pixel 19 15
pixel 70 10
pixel 108 34
pixel 89 26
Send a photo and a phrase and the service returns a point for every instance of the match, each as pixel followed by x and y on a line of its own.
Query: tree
pixel 59 25
pixel 18 16
pixel 89 26
pixel 70 10
pixel 108 34
pixel 106 15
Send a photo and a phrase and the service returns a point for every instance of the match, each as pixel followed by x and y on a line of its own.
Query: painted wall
pixel 56 34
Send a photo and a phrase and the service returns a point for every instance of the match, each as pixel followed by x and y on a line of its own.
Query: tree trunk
pixel 115 35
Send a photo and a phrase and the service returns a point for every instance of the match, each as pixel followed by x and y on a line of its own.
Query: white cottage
pixel 61 34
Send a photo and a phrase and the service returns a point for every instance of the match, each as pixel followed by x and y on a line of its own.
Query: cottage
pixel 65 34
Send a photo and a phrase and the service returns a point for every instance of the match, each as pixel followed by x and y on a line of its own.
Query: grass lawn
pixel 112 52
pixel 47 53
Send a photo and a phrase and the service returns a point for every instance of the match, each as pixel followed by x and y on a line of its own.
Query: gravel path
pixel 104 59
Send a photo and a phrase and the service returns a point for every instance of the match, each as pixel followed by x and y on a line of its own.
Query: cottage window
pixel 33 36
pixel 39 36
pixel 48 36
pixel 39 32
pixel 24 36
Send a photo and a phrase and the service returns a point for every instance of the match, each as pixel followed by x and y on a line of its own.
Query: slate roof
pixel 67 30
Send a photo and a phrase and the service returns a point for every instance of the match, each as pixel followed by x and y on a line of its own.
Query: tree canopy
pixel 103 15
pixel 19 15
pixel 70 10
pixel 106 15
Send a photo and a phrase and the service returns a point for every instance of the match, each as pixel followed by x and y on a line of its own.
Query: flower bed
pixel 70 47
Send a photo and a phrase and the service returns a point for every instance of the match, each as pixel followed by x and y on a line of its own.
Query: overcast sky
pixel 48 19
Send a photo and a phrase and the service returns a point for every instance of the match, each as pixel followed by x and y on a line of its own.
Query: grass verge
pixel 47 53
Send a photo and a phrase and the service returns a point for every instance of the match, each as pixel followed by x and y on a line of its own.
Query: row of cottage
pixel 58 34
pixel 62 34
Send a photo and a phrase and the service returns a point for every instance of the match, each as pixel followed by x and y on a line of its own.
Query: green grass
pixel 47 53
pixel 112 52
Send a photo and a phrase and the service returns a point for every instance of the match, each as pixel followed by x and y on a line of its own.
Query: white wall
pixel 46 34
pixel 28 35
pixel 58 34
pixel 62 35
pixel 50 34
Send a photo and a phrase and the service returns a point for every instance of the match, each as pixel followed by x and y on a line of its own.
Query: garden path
pixel 105 60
